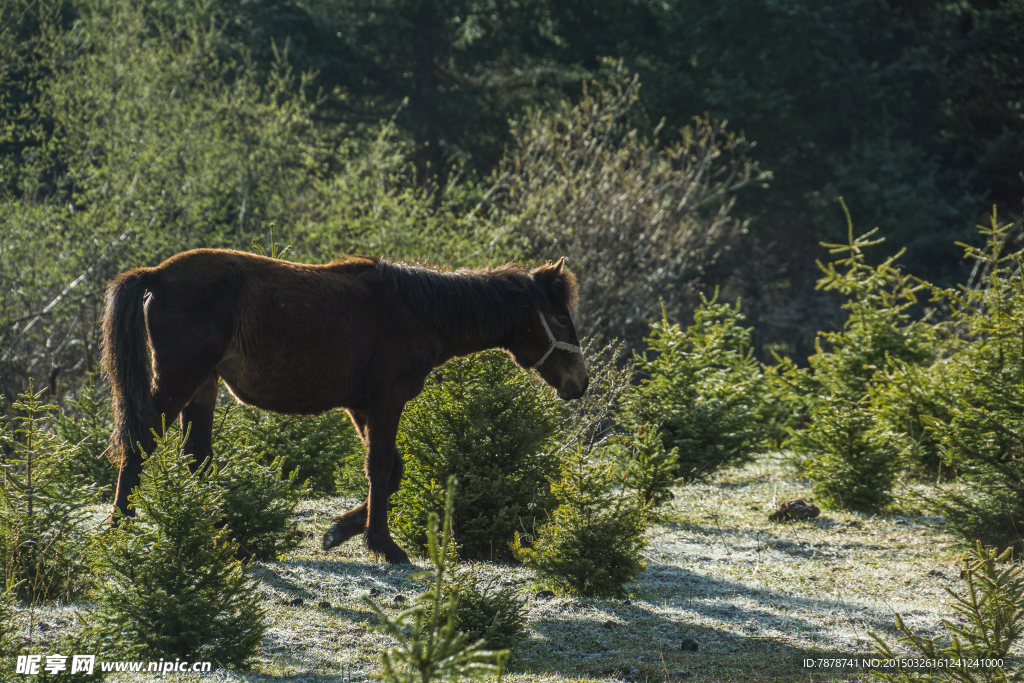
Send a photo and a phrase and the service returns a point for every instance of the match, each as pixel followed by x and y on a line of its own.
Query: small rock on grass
pixel 399 599
pixel 323 604
pixel 545 595
pixel 609 624
pixel 292 603
pixel 689 645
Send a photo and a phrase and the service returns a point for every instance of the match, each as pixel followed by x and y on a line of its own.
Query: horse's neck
pixel 471 341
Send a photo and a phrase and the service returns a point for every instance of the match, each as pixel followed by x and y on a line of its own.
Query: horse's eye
pixel 562 320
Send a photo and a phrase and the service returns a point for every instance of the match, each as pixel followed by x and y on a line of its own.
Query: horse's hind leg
pixel 197 419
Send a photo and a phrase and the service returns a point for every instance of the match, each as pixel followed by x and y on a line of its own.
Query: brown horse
pixel 357 333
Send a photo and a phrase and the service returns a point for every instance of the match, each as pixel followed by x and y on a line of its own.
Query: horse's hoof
pixel 397 556
pixel 332 538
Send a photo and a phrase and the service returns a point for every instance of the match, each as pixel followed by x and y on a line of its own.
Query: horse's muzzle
pixel 572 389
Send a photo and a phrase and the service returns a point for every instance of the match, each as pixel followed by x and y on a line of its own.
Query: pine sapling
pixel 43 516
pixel 170 583
pixel 592 544
pixel 430 646
pixel 990 620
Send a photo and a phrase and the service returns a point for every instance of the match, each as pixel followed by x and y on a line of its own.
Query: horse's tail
pixel 126 362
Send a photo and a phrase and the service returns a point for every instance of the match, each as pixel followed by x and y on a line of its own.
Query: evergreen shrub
pixel 704 390
pixel 87 426
pixel 44 523
pixel 491 424
pixel 851 457
pixel 989 622
pixel 258 505
pixel 864 399
pixel 982 433
pixel 644 465
pixel 322 449
pixel 592 544
pixel 10 646
pixel 483 610
pixel 430 644
pixel 170 585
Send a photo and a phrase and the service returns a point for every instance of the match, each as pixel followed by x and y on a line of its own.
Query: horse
pixel 357 333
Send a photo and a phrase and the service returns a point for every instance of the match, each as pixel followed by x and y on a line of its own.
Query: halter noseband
pixel 555 344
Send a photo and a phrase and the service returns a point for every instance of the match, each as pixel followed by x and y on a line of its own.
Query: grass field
pixel 755 597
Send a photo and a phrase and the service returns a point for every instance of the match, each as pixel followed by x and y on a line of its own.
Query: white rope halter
pixel 555 344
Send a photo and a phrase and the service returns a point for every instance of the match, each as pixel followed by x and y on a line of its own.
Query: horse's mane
pixel 471 303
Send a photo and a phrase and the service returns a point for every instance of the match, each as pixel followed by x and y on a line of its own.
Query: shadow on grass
pixel 738 631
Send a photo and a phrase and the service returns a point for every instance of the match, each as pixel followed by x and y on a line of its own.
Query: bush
pixel 704 390
pixel 990 621
pixel 9 645
pixel 593 542
pixel 645 467
pixel 87 427
pixel 491 424
pixel 497 615
pixel 258 505
pixel 321 449
pixel 853 459
pixel 636 218
pixel 43 517
pixel 170 585
pixel 982 434
pixel 431 646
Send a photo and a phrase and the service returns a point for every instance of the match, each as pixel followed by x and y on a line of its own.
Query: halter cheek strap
pixel 554 344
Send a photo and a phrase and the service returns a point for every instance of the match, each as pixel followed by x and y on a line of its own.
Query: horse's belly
pixel 285 389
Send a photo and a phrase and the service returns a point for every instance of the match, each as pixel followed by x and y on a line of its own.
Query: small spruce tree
pixel 324 449
pixel 170 585
pixel 982 433
pixel 43 517
pixel 496 614
pixel 431 646
pixel 490 423
pixel 853 459
pixel 703 389
pixel 87 424
pixel 593 542
pixel 990 621
pixel 645 466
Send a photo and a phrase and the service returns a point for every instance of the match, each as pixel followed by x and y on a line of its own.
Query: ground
pixel 755 597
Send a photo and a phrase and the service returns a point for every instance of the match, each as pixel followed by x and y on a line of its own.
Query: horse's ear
pixel 559 283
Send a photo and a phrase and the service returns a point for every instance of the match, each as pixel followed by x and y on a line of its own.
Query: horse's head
pixel 547 342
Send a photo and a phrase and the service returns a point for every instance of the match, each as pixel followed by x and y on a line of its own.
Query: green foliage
pixel 492 424
pixel 982 432
pixel 990 620
pixel 170 584
pixel 495 614
pixel 593 542
pixel 322 449
pixel 259 505
pixel 430 645
pixel 43 517
pixel 87 426
pixel 852 458
pixel 645 467
pixel 636 218
pixel 857 445
pixel 879 328
pixel 10 646
pixel 704 389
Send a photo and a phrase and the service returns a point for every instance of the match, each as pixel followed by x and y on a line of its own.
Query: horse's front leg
pixel 381 459
pixel 354 522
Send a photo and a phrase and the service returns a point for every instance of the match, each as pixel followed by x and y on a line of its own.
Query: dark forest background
pixel 461 132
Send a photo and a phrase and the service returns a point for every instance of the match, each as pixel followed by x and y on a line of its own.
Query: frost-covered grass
pixel 756 597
